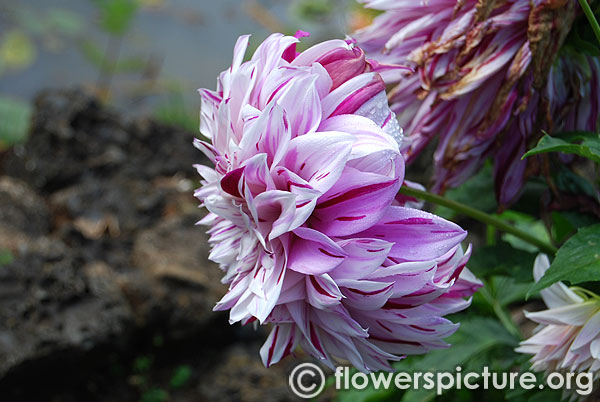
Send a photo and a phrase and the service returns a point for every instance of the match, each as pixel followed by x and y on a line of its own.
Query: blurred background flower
pixel 567 338
pixel 486 82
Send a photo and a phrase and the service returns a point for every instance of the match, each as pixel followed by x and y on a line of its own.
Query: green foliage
pixel 158 340
pixel 581 39
pixel 506 290
pixel 578 260
pixel 142 364
pixel 6 257
pixel 528 224
pixel 181 376
pixel 175 113
pixel 568 181
pixel 314 9
pixel 566 223
pixel 116 15
pixel 478 342
pixel 96 56
pixel 502 259
pixel 477 192
pixel 17 50
pixel 15 118
pixel 155 395
pixel 582 143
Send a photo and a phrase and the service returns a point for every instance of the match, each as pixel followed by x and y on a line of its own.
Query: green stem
pixel 501 313
pixel 587 10
pixel 480 216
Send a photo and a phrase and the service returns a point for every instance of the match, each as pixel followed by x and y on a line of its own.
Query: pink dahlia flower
pixel 483 81
pixel 302 210
pixel 568 337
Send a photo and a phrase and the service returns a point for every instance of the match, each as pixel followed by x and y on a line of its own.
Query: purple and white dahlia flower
pixel 568 335
pixel 485 81
pixel 303 213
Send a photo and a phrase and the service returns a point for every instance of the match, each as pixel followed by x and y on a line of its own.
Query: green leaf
pixel 478 342
pixel 581 40
pixel 477 192
pixel 312 10
pixel 15 118
pixel 6 257
pixel 175 112
pixel 474 336
pixel 116 15
pixel 502 259
pixel 181 376
pixel 142 364
pixel 582 143
pixel 17 50
pixel 506 290
pixel 93 54
pixel 155 395
pixel 566 223
pixel 527 223
pixel 129 65
pixel 577 219
pixel 568 181
pixel 470 347
pixel 578 260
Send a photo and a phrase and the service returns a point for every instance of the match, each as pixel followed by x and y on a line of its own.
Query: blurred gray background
pixel 148 56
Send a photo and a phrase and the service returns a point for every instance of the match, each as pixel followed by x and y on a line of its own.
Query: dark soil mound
pixel 109 293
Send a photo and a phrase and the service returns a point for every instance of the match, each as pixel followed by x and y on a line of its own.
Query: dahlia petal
pixel 232 296
pixel 345 348
pixel 589 332
pixel 270 134
pixel 269 55
pixel 281 341
pixel 407 277
pixel 356 202
pixel 595 349
pixel 306 195
pixel 313 253
pixel 350 96
pixel 364 257
pixel 243 83
pixel 207 173
pixel 257 178
pixel 370 139
pixel 294 288
pixel 322 291
pixel 366 295
pixel 266 288
pixel 314 53
pixel 337 320
pixel 417 235
pixel 558 294
pixel 207 149
pixel 239 51
pixel 310 340
pixel 276 210
pixel 573 314
pixel 300 98
pixel 319 158
pixel 224 208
